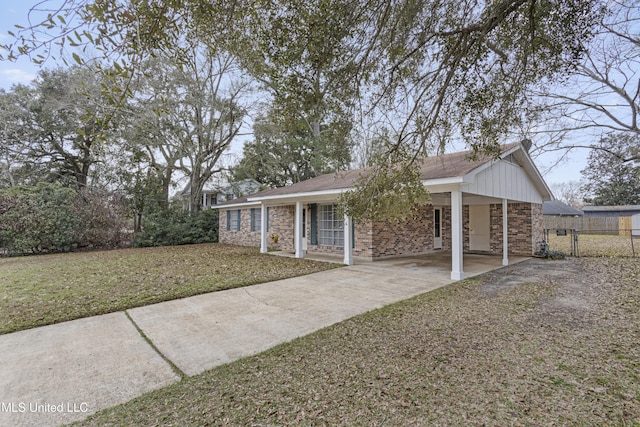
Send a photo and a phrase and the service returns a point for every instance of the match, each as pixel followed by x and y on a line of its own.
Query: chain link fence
pixel 597 243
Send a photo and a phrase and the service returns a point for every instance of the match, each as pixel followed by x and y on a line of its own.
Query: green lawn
pixel 538 343
pixel 40 290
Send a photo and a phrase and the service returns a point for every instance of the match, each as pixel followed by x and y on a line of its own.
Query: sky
pixel 24 71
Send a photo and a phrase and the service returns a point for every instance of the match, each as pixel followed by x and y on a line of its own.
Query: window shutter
pixel 228 220
pixel 267 230
pixel 238 228
pixel 253 219
pixel 314 215
pixel 353 234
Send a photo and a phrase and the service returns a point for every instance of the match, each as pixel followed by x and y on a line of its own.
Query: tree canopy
pixel 613 174
pixel 430 70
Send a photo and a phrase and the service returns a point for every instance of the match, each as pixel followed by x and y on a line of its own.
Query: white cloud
pixel 16 75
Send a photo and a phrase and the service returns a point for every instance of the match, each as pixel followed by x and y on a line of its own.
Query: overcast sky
pixel 23 71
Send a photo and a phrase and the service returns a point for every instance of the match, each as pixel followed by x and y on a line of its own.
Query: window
pixel 256 219
pixel 233 220
pixel 330 226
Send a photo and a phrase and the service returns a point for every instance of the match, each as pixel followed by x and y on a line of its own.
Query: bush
pixel 51 218
pixel 176 227
pixel 38 219
pixel 103 219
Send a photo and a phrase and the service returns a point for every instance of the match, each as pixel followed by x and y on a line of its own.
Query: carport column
pixel 456 235
pixel 505 234
pixel 348 244
pixel 263 229
pixel 298 231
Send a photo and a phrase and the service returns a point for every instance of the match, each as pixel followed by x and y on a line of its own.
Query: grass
pixel 41 290
pixel 596 245
pixel 538 343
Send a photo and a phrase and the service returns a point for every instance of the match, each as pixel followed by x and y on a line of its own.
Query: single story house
pixel 489 206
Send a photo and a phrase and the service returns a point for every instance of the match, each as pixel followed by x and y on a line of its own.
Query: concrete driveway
pixel 65 372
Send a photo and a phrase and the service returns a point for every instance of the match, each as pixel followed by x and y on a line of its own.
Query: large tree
pixel 602 94
pixel 63 120
pixel 613 173
pixel 285 152
pixel 186 116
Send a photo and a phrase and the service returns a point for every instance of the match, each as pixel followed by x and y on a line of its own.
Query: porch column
pixel 505 234
pixel 348 244
pixel 204 200
pixel 298 231
pixel 263 229
pixel 457 243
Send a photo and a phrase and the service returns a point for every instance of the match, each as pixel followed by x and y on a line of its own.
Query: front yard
pixel 41 290
pixel 537 343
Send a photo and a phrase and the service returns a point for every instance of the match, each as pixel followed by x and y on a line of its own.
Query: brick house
pixel 488 206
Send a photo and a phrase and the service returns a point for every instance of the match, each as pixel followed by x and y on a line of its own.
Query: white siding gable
pixel 504 180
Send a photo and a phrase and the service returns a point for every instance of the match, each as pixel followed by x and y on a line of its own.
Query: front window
pixel 330 226
pixel 234 220
pixel 256 219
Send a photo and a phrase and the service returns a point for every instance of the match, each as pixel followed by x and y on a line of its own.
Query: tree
pixel 572 193
pixel 63 121
pixel 279 157
pixel 602 94
pixel 611 178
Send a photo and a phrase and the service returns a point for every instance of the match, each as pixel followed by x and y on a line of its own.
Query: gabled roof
pixel 558 208
pixel 441 167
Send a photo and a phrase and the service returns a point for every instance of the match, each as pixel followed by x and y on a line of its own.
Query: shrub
pixel 103 219
pixel 176 227
pixel 38 219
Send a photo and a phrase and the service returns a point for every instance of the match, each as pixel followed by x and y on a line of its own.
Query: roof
pixel 558 208
pixel 444 166
pixel 621 208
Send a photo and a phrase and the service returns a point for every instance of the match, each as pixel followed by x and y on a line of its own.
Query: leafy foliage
pixel 51 218
pixel 282 156
pixel 38 219
pixel 613 172
pixel 388 190
pixel 173 226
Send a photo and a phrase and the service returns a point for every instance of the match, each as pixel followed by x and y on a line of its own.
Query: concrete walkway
pixel 65 372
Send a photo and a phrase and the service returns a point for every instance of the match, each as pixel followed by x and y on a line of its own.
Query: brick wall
pixel 382 239
pixel 524 224
pixel 410 237
pixel 281 222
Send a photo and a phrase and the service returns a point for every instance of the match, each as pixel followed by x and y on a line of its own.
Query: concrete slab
pixel 202 332
pixel 62 373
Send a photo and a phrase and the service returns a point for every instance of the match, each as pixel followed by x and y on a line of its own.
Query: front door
pixel 479 228
pixel 437 228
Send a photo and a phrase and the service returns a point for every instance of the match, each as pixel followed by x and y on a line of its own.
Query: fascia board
pixel 456 180
pixel 297 196
pixel 236 205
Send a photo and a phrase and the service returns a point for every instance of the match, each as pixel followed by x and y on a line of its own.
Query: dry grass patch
pixel 596 245
pixel 41 290
pixel 538 343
